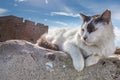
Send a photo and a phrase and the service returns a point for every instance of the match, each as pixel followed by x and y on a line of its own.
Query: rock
pixel 22 60
pixel 117 51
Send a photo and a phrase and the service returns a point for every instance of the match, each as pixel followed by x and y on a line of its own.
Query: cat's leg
pixel 93 59
pixel 77 57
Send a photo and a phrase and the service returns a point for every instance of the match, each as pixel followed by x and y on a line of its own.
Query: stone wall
pixel 12 27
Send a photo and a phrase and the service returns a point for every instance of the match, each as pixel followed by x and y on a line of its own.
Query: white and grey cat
pixel 88 43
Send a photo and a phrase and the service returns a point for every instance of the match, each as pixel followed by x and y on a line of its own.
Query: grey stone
pixel 22 60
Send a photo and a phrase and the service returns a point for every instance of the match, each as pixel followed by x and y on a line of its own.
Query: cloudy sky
pixel 61 13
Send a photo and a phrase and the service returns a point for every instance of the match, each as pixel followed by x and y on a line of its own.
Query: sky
pixel 61 13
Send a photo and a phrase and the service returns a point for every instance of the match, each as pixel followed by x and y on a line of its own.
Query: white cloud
pixel 116 14
pixel 46 1
pixel 45 19
pixel 20 0
pixel 117 36
pixel 2 11
pixel 66 8
pixel 61 23
pixel 64 14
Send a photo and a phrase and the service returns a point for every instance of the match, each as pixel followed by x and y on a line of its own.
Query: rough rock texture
pixel 22 60
pixel 12 27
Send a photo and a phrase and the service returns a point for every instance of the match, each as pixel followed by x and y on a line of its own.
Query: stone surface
pixel 12 27
pixel 22 60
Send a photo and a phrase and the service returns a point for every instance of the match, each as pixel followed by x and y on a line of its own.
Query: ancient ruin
pixel 12 27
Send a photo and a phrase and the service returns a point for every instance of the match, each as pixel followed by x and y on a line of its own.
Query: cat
pixel 43 42
pixel 86 44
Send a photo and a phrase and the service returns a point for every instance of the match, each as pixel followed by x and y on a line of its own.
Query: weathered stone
pixel 22 60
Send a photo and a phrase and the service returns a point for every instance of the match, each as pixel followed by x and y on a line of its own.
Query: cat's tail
pixel 43 42
pixel 117 51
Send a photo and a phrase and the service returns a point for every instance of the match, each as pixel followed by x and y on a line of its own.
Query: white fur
pixel 100 43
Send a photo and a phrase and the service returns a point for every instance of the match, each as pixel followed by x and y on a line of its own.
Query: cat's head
pixel 94 28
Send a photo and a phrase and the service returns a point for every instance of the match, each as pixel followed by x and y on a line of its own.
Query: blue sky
pixel 61 13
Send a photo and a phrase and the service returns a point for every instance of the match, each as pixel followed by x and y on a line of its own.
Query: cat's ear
pixel 84 17
pixel 106 16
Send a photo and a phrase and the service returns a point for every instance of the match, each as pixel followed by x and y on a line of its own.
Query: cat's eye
pixel 82 30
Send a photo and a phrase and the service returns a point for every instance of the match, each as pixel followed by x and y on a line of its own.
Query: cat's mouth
pixel 87 43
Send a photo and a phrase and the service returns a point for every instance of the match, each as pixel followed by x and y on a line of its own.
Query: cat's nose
pixel 85 37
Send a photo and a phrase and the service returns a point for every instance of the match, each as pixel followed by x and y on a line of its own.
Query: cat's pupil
pixel 83 30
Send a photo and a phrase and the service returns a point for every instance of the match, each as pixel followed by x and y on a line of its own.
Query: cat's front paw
pixel 78 66
pixel 92 60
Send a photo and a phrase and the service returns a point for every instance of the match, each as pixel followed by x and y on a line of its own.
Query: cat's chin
pixel 88 43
